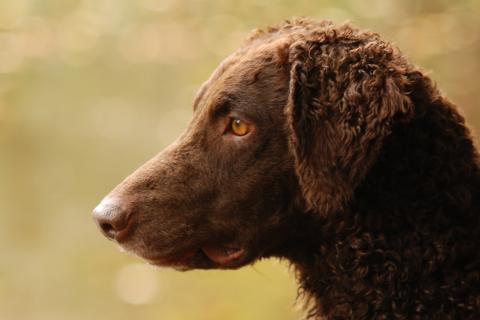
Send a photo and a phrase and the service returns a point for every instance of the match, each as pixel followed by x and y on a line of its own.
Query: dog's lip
pixel 175 261
pixel 221 256
pixel 224 255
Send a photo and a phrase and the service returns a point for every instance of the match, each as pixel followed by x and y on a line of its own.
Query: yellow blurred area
pixel 91 89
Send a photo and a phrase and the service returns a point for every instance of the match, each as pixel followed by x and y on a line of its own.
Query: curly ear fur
pixel 345 96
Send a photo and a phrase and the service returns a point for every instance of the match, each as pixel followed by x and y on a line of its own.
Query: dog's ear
pixel 344 99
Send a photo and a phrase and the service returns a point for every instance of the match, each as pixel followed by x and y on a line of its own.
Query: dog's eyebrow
pixel 224 105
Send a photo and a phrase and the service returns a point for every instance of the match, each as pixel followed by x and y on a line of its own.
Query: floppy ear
pixel 344 99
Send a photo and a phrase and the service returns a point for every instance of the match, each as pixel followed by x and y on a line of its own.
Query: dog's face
pixel 291 123
pixel 220 193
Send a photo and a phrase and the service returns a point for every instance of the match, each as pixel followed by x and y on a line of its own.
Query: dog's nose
pixel 111 218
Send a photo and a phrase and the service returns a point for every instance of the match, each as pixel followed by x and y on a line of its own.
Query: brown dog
pixel 323 145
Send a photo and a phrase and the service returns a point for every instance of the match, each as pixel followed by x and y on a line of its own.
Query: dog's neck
pixel 421 199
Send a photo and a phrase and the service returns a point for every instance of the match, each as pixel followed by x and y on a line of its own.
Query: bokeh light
pixel 136 283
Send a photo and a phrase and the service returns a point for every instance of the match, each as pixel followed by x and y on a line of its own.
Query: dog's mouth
pixel 206 257
pixel 210 254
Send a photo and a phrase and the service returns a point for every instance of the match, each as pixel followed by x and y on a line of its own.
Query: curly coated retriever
pixel 323 145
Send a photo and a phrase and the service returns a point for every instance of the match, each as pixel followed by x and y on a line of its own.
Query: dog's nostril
pixel 108 230
pixel 111 218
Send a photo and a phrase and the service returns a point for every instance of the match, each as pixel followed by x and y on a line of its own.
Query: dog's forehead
pixel 235 75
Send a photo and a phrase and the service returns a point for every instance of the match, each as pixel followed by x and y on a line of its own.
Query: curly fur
pixel 389 167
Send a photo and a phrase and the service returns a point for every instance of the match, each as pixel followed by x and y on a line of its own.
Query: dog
pixel 321 144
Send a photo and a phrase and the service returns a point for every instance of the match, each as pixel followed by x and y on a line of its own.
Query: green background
pixel 91 89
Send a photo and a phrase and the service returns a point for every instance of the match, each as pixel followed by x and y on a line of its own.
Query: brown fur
pixel 357 170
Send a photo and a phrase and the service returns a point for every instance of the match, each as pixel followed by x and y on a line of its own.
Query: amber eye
pixel 239 127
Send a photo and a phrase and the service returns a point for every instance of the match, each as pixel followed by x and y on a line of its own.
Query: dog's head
pixel 289 123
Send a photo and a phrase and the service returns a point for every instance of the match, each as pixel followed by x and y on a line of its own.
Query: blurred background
pixel 91 89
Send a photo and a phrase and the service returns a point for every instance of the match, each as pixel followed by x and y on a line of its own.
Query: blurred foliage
pixel 91 89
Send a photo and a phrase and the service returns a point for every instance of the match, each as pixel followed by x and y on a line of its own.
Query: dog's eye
pixel 239 127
